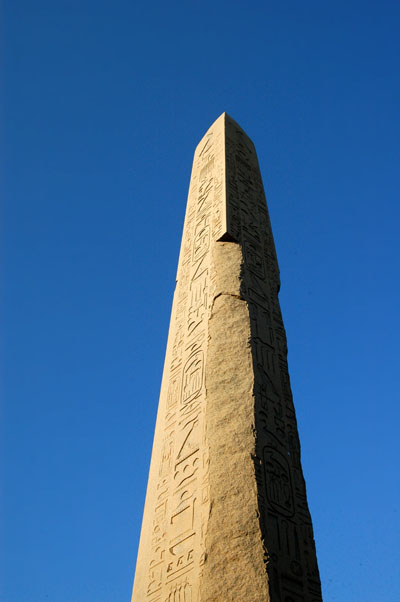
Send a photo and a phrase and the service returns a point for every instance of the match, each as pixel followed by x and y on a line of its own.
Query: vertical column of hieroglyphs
pixel 285 518
pixel 179 503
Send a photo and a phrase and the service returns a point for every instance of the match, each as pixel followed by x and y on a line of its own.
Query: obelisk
pixel 226 515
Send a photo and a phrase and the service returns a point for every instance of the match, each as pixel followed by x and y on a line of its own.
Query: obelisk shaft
pixel 226 515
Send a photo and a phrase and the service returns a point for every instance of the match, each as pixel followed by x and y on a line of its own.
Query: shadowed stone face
pixel 226 515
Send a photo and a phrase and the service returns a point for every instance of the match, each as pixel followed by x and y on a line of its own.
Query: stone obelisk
pixel 226 515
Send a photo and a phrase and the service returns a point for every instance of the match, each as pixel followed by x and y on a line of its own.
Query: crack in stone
pixel 224 295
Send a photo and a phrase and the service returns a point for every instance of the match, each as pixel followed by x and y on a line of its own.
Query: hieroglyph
pixel 180 556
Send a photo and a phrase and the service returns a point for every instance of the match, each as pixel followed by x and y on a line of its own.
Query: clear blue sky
pixel 104 103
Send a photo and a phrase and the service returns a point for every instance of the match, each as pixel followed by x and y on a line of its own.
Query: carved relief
pixel 198 301
pixel 278 482
pixel 201 241
pixel 193 374
pixel 167 455
pixel 173 389
pixel 180 558
pixel 254 260
pixel 181 592
pixel 226 202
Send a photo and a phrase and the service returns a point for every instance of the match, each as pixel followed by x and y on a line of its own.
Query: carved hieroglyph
pixel 226 515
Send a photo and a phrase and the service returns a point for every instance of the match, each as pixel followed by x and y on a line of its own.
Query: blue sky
pixel 103 105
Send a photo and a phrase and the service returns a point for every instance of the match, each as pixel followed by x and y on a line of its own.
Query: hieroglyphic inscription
pixel 284 514
pixel 226 203
pixel 181 506
pixel 180 592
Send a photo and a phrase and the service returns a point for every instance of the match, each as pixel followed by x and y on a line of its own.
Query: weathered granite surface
pixel 226 515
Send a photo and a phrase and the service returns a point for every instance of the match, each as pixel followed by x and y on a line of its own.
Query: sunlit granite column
pixel 226 515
